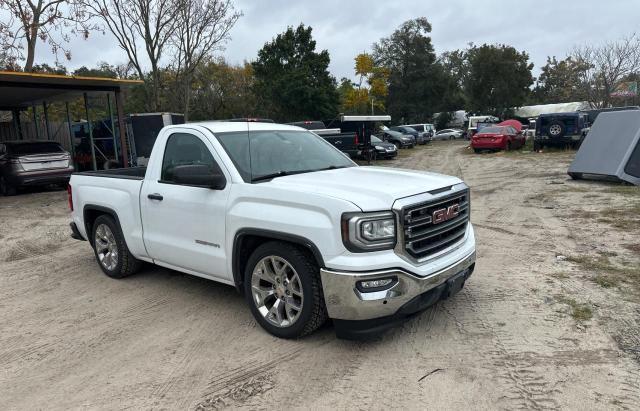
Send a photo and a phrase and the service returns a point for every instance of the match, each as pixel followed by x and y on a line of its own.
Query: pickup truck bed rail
pixel 132 173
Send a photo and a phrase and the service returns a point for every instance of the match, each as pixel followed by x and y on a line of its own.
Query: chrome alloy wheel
pixel 106 247
pixel 277 291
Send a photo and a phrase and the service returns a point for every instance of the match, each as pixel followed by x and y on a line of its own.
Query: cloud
pixel 348 27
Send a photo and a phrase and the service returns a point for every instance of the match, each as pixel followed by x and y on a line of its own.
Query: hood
pixel 513 123
pixel 383 144
pixel 369 188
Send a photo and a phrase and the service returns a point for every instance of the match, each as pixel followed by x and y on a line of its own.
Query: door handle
pixel 155 196
pixel 337 143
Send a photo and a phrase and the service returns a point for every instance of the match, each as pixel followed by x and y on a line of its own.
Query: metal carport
pixel 21 91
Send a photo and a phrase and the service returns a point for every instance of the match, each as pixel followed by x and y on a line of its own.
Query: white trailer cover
pixel 611 149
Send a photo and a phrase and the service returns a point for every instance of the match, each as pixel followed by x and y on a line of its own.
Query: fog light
pixel 376 285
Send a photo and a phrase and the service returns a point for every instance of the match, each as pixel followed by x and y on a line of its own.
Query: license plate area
pixel 455 284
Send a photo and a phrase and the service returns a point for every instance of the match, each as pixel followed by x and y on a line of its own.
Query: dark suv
pixel 561 129
pixel 32 163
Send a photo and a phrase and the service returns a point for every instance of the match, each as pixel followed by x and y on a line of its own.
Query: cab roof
pixel 231 126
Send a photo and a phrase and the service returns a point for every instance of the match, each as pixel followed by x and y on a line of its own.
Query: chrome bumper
pixel 345 302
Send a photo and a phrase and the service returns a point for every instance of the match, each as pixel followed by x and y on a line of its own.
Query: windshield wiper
pixel 280 173
pixel 283 173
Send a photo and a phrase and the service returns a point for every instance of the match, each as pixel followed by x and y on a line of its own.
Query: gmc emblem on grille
pixel 444 214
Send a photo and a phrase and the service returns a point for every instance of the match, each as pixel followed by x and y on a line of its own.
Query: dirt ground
pixel 550 318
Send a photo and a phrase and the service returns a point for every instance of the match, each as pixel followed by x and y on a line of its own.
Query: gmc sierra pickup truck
pixel 276 211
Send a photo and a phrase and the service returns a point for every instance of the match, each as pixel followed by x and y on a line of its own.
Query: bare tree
pixel 143 29
pixel 24 22
pixel 203 26
pixel 606 66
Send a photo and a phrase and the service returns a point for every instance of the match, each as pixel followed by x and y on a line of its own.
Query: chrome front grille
pixel 431 227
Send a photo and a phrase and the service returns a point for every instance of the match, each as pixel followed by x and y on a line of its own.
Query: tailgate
pixel 35 162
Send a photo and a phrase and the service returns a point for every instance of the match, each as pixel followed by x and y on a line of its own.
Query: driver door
pixel 184 226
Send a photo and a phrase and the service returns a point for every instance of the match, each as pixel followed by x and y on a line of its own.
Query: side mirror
pixel 199 175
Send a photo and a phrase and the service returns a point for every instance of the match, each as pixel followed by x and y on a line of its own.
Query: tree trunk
pixel 31 51
pixel 187 97
pixel 32 38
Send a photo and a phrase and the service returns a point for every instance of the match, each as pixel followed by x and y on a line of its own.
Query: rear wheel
pixel 283 289
pixel 6 189
pixel 111 250
pixel 508 146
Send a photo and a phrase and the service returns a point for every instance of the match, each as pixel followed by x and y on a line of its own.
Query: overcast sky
pixel 348 27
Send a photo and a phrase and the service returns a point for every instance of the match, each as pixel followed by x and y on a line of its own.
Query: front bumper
pixel 488 145
pixel 345 301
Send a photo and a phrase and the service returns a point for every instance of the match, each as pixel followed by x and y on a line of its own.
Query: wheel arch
pixel 248 239
pixel 91 212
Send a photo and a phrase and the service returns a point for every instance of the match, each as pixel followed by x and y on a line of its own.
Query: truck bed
pixel 131 173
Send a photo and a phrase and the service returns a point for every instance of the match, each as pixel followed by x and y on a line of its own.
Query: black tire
pixel 6 189
pixel 476 150
pixel 575 176
pixel 537 146
pixel 556 129
pixel 508 145
pixel 398 145
pixel 126 264
pixel 314 313
pixel 450 137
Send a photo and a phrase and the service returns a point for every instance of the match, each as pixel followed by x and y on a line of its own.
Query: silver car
pixel 33 163
pixel 448 134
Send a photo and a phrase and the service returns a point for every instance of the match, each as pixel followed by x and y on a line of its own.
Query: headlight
pixel 369 231
pixel 379 148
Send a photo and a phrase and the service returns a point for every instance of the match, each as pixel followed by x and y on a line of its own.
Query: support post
pixel 93 149
pixel 35 122
pixel 72 143
pixel 113 127
pixel 17 125
pixel 46 119
pixel 121 127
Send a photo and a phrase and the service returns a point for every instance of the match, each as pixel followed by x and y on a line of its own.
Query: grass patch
pixel 560 276
pixel 623 189
pixel 608 274
pixel 635 247
pixel 579 311
pixel 605 282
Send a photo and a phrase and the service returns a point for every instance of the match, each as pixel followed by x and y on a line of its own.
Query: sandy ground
pixel 529 330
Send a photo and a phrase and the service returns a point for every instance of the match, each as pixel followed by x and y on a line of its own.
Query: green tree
pixel 292 80
pixel 561 81
pixel 417 82
pixel 499 79
pixel 222 91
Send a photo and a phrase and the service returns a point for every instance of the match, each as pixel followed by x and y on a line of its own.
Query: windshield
pixel 410 130
pixel 22 149
pixel 375 139
pixel 266 154
pixel 492 130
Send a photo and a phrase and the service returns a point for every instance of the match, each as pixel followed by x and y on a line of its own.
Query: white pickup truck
pixel 276 211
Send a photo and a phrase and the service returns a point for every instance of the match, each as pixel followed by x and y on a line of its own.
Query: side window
pixel 184 150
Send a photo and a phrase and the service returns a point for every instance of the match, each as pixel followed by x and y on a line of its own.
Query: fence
pixel 58 131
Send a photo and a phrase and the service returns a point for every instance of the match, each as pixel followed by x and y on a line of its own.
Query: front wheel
pixel 283 289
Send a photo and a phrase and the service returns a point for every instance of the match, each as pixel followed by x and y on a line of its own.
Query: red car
pixel 498 137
